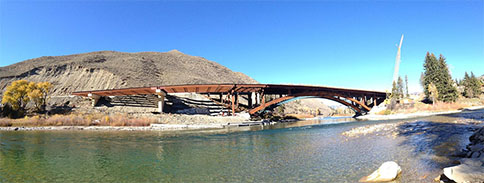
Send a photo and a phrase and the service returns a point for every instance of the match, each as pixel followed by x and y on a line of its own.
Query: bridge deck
pixel 228 88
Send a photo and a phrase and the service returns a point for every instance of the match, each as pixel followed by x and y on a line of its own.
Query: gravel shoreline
pixel 413 115
pixel 153 127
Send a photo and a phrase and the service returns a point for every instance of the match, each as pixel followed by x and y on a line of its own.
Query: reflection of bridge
pixel 252 97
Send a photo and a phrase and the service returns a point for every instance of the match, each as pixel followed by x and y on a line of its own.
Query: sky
pixel 351 44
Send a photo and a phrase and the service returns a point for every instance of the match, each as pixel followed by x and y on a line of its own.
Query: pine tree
pixel 472 86
pixel 400 87
pixel 406 86
pixel 447 90
pixel 437 72
pixel 430 73
pixel 394 94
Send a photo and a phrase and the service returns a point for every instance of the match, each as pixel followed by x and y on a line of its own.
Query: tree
pixel 437 72
pixel 400 87
pixel 406 86
pixel 472 86
pixel 39 94
pixel 434 93
pixel 16 95
pixel 447 90
pixel 394 95
pixel 21 92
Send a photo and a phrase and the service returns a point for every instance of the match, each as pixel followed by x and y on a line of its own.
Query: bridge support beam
pixel 232 99
pixel 94 98
pixel 160 100
pixel 249 100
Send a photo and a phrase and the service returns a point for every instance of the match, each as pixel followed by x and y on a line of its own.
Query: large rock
pixel 470 170
pixel 475 149
pixel 388 171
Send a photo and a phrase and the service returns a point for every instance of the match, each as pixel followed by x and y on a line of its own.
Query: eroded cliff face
pixel 69 78
pixel 109 70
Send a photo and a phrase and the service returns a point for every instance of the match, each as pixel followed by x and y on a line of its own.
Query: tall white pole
pixel 397 61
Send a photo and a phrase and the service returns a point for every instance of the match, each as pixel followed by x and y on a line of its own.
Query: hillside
pixel 110 69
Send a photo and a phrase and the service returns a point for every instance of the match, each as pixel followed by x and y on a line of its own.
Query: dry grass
pixel 80 120
pixel 5 123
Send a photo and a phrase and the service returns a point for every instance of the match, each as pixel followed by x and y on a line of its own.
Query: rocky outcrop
pixel 388 171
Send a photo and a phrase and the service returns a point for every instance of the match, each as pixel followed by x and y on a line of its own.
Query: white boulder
pixel 388 171
pixel 470 170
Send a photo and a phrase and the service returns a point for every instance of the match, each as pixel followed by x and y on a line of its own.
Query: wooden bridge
pixel 252 97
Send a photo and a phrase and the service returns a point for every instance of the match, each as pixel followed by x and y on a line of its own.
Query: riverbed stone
pixel 477 137
pixel 470 170
pixel 388 171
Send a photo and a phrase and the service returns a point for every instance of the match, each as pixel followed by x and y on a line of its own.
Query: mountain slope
pixel 110 69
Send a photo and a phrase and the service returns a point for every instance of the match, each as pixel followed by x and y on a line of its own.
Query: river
pixel 304 151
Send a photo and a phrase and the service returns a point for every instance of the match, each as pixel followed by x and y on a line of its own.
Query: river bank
pixel 414 115
pixel 458 137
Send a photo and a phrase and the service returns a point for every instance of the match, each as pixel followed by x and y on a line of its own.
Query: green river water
pixel 305 151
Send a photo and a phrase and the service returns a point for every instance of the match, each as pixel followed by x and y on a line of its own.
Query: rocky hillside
pixel 308 106
pixel 110 69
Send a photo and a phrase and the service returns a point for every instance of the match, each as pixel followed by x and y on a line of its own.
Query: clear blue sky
pixel 346 44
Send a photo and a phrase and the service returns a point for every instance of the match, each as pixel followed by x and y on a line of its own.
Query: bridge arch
pixel 359 108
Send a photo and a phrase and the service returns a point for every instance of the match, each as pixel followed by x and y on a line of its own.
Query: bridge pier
pixel 160 100
pixel 249 100
pixel 94 98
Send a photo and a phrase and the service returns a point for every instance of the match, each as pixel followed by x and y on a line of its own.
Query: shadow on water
pixel 438 142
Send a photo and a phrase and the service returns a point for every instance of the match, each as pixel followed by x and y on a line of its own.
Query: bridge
pixel 253 98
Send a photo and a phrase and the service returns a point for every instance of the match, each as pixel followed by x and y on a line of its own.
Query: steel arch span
pixel 360 107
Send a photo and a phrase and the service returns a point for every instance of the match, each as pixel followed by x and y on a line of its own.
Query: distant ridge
pixel 111 69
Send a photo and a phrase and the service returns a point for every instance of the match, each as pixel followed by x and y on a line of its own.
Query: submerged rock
pixel 471 170
pixel 388 171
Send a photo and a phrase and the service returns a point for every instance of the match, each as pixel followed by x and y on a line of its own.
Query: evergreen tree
pixel 394 94
pixel 400 87
pixel 447 90
pixel 472 86
pixel 437 72
pixel 431 69
pixel 406 86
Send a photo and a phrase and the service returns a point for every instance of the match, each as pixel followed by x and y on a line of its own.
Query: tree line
pixel 472 85
pixel 438 84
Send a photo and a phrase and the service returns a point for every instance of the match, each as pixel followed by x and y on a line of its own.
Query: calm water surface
pixel 306 151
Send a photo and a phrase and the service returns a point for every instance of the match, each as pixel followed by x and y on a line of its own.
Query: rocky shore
pixel 471 168
pixel 430 132
pixel 414 115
